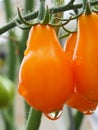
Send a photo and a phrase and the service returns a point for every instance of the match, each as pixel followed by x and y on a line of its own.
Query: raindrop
pixel 89 112
pixel 54 115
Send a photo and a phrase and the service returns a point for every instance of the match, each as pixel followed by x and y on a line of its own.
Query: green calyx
pixel 45 20
pixel 86 7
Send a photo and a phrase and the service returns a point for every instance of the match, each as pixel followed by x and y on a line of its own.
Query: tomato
pixel 85 65
pixel 7 91
pixel 77 100
pixel 45 76
pixel 69 46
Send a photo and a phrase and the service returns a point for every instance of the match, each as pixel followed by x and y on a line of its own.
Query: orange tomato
pixel 85 65
pixel 69 45
pixel 77 101
pixel 45 77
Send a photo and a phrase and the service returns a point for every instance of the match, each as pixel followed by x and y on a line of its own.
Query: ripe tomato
pixel 85 65
pixel 77 100
pixel 45 77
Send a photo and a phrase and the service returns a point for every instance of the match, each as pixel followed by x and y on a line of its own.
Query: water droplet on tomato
pixel 88 112
pixel 26 52
pixel 54 115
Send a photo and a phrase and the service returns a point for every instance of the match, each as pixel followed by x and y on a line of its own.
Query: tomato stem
pixel 41 10
pixel 11 61
pixel 46 16
pixel 71 118
pixel 84 4
pixel 88 10
pixel 78 118
pixel 35 123
pixel 86 7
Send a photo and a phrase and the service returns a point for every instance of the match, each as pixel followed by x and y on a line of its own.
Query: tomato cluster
pixel 49 76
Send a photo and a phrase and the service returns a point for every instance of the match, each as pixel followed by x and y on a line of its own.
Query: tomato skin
pixel 85 65
pixel 7 91
pixel 77 100
pixel 69 46
pixel 45 72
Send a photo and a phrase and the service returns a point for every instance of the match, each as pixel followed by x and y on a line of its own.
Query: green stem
pixel 8 9
pixel 41 10
pixel 7 118
pixel 34 119
pixel 13 24
pixel 84 4
pixel 86 7
pixel 72 123
pixel 78 118
pixel 12 59
pixel 57 3
pixel 11 63
pixel 29 5
pixel 30 16
pixel 12 56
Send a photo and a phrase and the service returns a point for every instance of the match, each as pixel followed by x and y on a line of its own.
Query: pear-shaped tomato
pixel 45 77
pixel 85 65
pixel 7 91
pixel 77 100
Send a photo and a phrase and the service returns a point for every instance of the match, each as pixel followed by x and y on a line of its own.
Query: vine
pixel 33 15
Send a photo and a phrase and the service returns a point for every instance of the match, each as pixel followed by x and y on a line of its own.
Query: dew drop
pixel 26 52
pixel 54 115
pixel 89 112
